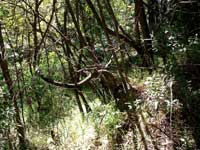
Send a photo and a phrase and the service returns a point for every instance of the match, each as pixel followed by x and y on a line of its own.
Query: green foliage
pixel 3 12
pixel 46 107
pixel 6 122
pixel 44 104
pixel 6 109
pixel 106 118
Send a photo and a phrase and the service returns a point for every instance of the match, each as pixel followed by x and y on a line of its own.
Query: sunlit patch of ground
pixel 73 132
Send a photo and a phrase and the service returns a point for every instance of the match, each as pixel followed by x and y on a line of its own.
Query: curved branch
pixel 65 85
pixel 93 75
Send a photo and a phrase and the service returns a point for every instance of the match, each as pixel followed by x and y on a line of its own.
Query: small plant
pixel 107 120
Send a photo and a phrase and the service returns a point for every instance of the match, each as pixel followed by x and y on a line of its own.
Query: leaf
pixel 4 12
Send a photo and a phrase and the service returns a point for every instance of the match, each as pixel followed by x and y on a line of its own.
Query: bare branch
pixel 60 84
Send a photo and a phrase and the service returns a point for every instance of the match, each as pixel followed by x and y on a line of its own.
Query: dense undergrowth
pixel 156 122
pixel 82 75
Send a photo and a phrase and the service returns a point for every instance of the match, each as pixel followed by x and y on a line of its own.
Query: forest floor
pixel 156 124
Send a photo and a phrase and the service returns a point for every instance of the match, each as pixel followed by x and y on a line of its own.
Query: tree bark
pixel 147 52
pixel 13 95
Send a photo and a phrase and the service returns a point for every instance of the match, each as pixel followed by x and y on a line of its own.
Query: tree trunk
pixel 13 96
pixel 147 52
